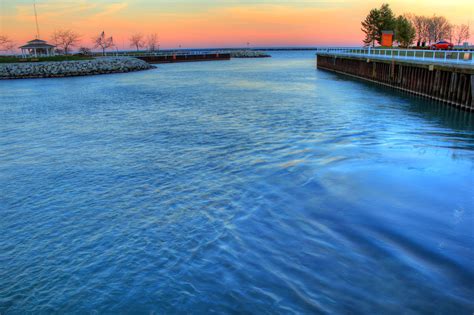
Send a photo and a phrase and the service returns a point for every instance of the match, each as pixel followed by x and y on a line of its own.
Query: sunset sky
pixel 215 23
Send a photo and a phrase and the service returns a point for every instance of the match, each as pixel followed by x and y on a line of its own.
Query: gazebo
pixel 37 47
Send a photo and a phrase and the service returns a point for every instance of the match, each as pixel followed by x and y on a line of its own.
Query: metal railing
pixel 463 57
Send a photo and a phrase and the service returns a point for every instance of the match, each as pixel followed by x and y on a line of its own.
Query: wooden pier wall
pixel 184 58
pixel 449 84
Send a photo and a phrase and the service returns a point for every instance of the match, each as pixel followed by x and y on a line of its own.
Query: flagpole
pixel 36 19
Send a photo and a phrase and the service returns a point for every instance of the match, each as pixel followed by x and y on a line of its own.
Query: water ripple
pixel 249 186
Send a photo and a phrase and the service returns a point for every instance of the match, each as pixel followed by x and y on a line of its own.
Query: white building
pixel 37 47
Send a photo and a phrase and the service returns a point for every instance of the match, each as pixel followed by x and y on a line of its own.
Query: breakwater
pixel 449 83
pixel 171 58
pixel 95 66
pixel 249 54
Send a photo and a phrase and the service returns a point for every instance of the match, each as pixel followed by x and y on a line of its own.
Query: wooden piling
pixel 449 84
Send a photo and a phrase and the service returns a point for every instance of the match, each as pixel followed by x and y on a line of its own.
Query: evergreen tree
pixel 378 20
pixel 405 32
pixel 387 21
pixel 370 27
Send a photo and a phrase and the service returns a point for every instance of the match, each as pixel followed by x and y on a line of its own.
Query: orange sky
pixel 214 23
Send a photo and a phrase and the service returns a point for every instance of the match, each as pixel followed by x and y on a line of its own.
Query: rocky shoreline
pixel 102 65
pixel 248 54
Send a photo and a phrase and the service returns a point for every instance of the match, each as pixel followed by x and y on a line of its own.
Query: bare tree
pixel 152 42
pixel 438 28
pixel 136 40
pixel 462 33
pixel 11 47
pixel 421 25
pixel 7 44
pixel 4 42
pixel 103 42
pixel 4 39
pixel 65 40
pixel 450 28
pixel 85 51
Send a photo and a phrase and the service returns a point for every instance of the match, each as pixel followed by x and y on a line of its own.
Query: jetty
pixel 184 55
pixel 247 53
pixel 445 76
pixel 156 58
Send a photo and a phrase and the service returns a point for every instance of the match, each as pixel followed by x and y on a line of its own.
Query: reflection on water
pixel 253 186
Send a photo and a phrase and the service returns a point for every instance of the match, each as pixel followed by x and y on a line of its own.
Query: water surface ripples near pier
pixel 247 186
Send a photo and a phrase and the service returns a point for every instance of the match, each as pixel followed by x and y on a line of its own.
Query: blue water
pixel 247 186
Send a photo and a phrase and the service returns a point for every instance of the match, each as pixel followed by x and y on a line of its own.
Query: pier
pixel 445 76
pixel 185 55
pixel 156 58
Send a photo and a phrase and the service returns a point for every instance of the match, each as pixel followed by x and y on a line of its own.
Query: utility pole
pixel 36 19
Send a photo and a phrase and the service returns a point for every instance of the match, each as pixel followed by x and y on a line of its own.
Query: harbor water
pixel 256 186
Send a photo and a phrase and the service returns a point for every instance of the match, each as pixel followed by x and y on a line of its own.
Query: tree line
pixel 409 28
pixel 66 40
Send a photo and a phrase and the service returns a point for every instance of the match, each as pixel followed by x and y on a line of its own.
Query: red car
pixel 442 45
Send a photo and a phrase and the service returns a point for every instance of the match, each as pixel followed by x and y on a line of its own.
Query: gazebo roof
pixel 37 43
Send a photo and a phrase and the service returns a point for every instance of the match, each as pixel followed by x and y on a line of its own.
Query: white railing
pixel 464 57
